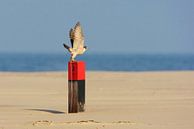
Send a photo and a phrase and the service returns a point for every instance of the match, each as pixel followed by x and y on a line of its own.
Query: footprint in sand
pixel 42 123
pixel 89 122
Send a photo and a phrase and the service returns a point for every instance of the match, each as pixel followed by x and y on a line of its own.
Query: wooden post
pixel 76 86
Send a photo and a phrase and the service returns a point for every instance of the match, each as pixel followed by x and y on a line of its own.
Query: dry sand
pixel 114 100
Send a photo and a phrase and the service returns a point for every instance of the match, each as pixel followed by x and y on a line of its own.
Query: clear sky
pixel 113 26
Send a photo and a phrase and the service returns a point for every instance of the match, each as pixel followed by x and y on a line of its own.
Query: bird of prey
pixel 77 41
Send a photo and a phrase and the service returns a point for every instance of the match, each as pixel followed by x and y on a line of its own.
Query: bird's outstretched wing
pixel 71 36
pixel 78 37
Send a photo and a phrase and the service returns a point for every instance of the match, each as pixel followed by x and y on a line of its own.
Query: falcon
pixel 77 41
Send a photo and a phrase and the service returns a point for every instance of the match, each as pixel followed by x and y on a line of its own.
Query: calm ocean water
pixel 107 62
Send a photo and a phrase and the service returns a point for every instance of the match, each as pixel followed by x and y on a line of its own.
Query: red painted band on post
pixel 76 70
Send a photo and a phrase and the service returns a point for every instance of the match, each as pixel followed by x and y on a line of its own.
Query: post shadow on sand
pixel 47 110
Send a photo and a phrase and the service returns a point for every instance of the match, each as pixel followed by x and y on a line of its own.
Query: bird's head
pixel 85 48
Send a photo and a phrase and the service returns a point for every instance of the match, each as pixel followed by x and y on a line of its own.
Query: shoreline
pixel 97 71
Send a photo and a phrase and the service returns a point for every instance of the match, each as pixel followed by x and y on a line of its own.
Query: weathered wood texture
pixel 81 95
pixel 76 96
pixel 72 97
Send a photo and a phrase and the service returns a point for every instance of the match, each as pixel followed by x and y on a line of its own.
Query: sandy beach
pixel 114 100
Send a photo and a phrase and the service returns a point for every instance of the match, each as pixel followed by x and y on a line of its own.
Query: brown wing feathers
pixel 78 33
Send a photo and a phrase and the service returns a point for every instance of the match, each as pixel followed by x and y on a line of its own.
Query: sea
pixel 27 62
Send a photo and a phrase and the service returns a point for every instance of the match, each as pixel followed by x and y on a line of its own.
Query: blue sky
pixel 112 26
